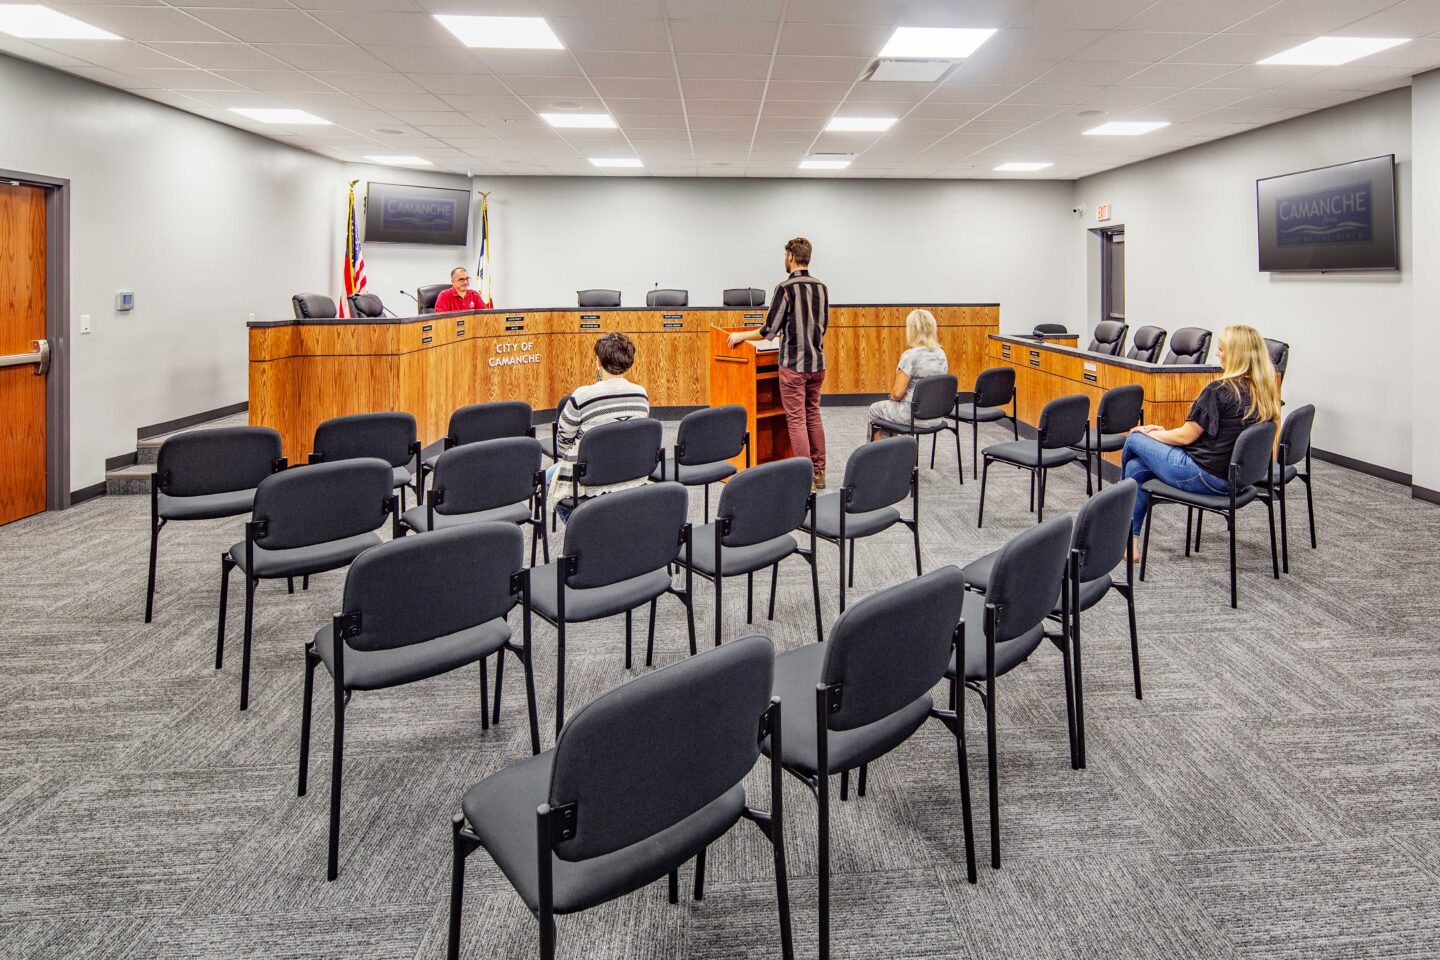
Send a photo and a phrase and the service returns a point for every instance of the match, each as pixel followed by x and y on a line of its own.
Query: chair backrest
pixel 878 474
pixel 598 298
pixel 427 295
pixel 934 396
pixel 1027 578
pixel 389 436
pixel 619 451
pixel 891 648
pixel 1251 458
pixel 1148 344
pixel 303 506
pixel 1109 337
pixel 1102 529
pixel 217 460
pixel 766 501
pixel 1064 421
pixel 1121 408
pixel 1295 433
pixel 744 297
pixel 625 534
pixel 1279 354
pixel 1046 329
pixel 667 298
pixel 651 752
pixel 715 433
pixel 995 387
pixel 485 475
pixel 418 588
pixel 1188 345
pixel 477 422
pixel 312 306
pixel 366 305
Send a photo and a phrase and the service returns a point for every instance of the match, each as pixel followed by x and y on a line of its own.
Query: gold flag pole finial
pixel 353 182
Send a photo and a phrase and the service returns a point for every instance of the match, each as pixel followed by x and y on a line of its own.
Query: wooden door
pixel 22 323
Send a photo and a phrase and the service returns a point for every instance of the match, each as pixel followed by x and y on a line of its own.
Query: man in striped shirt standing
pixel 799 314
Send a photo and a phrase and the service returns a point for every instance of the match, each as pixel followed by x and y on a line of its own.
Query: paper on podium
pixel 767 346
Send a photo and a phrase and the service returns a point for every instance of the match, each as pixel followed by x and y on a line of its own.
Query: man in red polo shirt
pixel 459 296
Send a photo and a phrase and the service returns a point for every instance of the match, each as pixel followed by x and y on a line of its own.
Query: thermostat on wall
pixel 125 300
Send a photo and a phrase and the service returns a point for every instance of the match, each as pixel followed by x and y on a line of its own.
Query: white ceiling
pixel 742 87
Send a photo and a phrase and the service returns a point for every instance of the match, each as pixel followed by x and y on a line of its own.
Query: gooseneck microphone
pixel 412 297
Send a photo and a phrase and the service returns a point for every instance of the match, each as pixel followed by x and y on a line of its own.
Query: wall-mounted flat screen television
pixel 1333 218
pixel 396 213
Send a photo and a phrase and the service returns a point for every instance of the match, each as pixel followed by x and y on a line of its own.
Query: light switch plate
pixel 84 323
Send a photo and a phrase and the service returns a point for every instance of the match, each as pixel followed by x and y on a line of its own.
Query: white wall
pixel 1191 260
pixel 1425 342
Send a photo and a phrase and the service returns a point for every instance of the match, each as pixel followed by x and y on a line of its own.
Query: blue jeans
pixel 561 511
pixel 1146 458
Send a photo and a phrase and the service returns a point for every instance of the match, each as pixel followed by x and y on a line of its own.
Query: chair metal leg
pixel 844 786
pixel 1284 530
pixel 974 448
pixel 1199 528
pixel 650 638
pixel 957 703
pixel 823 782
pixel 1310 507
pixel 312 660
pixel 457 885
pixel 1145 546
pixel 250 585
pixel 959 460
pixel 719 592
pixel 1134 644
pixel 547 935
pixel 226 565
pixel 484 695
pixel 674 886
pixel 707 503
pixel 560 676
pixel 852 563
pixel 815 593
pixel 842 575
pixel 150 582
pixel 289 584
pixel 1274 551
pixel 1234 596
pixel 700 875
pixel 774 577
pixel 1089 475
pixel 1032 491
pixel 1068 669
pixel 984 475
pixel 860 786
pixel 336 763
pixel 1189 528
pixel 305 582
pixel 627 638
pixel 1040 512
pixel 1079 691
pixel 530 704
pixel 994 774
pixel 750 597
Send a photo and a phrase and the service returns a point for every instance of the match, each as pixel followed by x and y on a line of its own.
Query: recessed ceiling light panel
pixel 583 121
pixel 859 124
pixel 35 22
pixel 399 161
pixel 630 162
pixel 283 115
pixel 1125 128
pixel 911 71
pixel 1022 167
pixel 813 164
pixel 922 43
pixel 502 33
pixel 1331 51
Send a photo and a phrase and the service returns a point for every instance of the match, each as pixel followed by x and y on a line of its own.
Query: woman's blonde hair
pixel 1247 358
pixel 921 330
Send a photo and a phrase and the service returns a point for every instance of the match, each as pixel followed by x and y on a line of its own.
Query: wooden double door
pixel 24 352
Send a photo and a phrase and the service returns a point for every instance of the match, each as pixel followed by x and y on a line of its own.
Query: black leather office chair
pixel 1188 345
pixel 1279 354
pixel 744 297
pixel 598 298
pixel 313 306
pixel 1109 338
pixel 1049 330
pixel 1148 344
pixel 427 295
pixel 667 298
pixel 365 305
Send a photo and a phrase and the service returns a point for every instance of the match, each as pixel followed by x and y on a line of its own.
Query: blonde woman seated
pixel 924 358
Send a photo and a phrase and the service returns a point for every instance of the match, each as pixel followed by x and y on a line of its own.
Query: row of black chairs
pixel 1190 345
pixel 322 306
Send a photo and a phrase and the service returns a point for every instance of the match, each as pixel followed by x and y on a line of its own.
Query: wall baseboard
pixel 87 493
pixel 180 423
pixel 121 460
pixel 1425 493
pixel 1361 466
pixel 850 399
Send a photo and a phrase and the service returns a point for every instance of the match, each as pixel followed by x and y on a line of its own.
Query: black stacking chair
pixel 414 609
pixel 313 306
pixel 1063 425
pixel 1007 624
pixel 426 296
pixel 759 511
pixel 1293 450
pixel 615 452
pixel 1120 409
pixel 1043 330
pixel 205 475
pixel 387 436
pixel 306 520
pixel 1147 344
pixel 877 476
pixel 598 298
pixel 871 688
pixel 1249 465
pixel 994 388
pixel 704 445
pixel 1188 345
pixel 476 423
pixel 1279 354
pixel 645 777
pixel 932 399
pixel 667 298
pixel 1109 338
pixel 616 558
pixel 365 305
pixel 1097 546
pixel 744 297
pixel 490 481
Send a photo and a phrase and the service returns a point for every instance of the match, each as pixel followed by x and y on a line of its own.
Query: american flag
pixel 482 268
pixel 354 266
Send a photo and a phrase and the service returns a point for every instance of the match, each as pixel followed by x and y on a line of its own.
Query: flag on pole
pixel 353 269
pixel 482 268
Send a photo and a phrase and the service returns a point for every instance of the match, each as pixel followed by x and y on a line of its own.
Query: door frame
pixel 57 331
pixel 1108 238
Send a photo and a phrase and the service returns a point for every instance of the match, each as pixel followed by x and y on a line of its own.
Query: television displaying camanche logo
pixel 1336 215
pixel 412 214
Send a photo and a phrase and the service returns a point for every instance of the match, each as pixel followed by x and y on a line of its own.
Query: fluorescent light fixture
pixel 1332 51
pixel 1022 167
pixel 616 162
pixel 824 164
pixel 584 121
pixel 1125 128
pixel 502 33
pixel 34 22
pixel 859 124
pixel 400 161
pixel 922 43
pixel 910 71
pixel 279 115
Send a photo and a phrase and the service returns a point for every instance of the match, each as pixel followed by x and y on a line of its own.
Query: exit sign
pixel 1102 212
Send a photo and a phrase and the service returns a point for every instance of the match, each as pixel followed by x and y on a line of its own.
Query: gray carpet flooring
pixel 1273 796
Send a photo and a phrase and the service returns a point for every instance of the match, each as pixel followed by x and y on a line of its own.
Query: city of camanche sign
pixel 514 353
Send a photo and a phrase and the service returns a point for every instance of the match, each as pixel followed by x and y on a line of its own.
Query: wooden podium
pixel 750 378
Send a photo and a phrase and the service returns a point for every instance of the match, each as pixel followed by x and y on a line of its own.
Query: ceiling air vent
pixel 910 71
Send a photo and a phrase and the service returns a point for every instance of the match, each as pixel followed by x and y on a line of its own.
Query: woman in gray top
pixel 924 358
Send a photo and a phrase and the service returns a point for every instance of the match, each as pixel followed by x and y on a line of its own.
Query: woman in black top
pixel 1195 456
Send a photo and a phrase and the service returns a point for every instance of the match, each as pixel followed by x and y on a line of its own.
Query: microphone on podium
pixel 412 297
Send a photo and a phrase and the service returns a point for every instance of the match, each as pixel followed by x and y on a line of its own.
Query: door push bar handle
pixel 41 358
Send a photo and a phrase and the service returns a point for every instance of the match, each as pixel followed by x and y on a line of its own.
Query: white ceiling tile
pixel 661 89
pixel 1410 18
pixel 565 87
pixel 401 5
pixel 403 101
pixel 700 66
pixel 334 57
pixel 32 51
pixel 724 89
pixel 1294 97
pixel 1020 111
pixel 275 81
pixel 1128 96
pixel 955 113
pixel 1238 48
pixel 1035 44
pixel 846 11
pixel 608 9
pixel 801 108
pixel 1206 97
pixel 1313 17
pixel 467 84
pixel 239 98
pixel 646 108
pixel 1102 72
pixel 1211 16
pixel 636 65
pixel 1182 75
pixel 833 40
pixel 973 92
pixel 219 56
pixel 610 36
pixel 388 28
pixel 372 82
pixel 722 108
pixel 1091 14
pixel 124 54
pixel 728 10
pixel 869 91
pixel 1059 94
pixel 1000 71
pixel 1417 56
pixel 1343 78
pixel 269 26
pixel 112 78
pixel 750 37
pixel 318 100
pixel 1138 46
pixel 745 124
pixel 1256 115
pixel 529 63
pixel 142 23
pixel 238 4
pixel 1259 77
pixel 414 60
pixel 806 90
pixel 488 105
pixel 819 68
pixel 668 129
pixel 541 103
